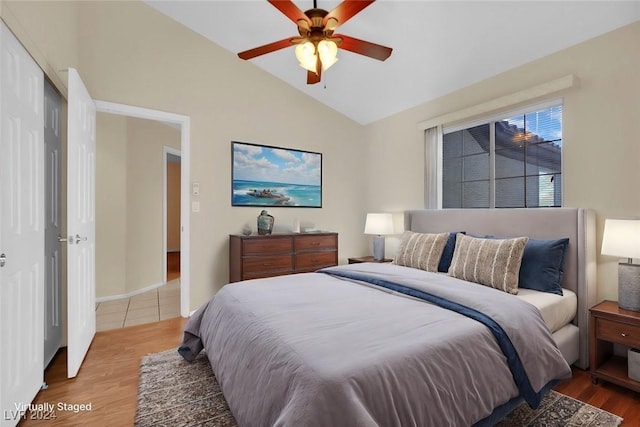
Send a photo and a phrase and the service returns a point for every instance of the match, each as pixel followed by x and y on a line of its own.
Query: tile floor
pixel 159 304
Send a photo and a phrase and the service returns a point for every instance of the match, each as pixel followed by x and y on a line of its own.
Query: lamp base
pixel 629 286
pixel 378 248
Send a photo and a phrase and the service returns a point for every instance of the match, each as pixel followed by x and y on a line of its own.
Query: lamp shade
pixel 306 55
pixel 621 238
pixel 379 223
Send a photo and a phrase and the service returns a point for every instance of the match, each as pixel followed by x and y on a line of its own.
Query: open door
pixel 81 250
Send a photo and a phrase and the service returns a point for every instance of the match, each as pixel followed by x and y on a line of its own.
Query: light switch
pixel 195 190
pixel 195 206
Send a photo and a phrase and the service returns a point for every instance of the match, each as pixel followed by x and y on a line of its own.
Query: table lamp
pixel 622 239
pixel 379 224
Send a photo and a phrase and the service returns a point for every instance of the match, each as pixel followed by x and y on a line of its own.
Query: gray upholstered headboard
pixel 542 223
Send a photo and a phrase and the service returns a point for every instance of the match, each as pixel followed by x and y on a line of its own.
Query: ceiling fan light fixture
pixel 306 55
pixel 328 51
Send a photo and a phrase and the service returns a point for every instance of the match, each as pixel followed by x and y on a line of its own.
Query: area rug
pixel 173 392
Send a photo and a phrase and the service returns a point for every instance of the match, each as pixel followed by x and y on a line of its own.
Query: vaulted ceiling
pixel 438 46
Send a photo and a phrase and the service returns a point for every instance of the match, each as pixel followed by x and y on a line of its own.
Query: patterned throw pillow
pixel 421 250
pixel 489 262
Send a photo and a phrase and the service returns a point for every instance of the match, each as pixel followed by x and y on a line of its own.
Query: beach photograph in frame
pixel 263 175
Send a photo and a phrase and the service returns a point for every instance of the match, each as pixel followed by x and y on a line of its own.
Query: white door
pixel 81 249
pixel 52 274
pixel 21 228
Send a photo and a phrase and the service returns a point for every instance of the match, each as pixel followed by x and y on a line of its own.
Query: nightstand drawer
pixel 617 332
pixel 252 265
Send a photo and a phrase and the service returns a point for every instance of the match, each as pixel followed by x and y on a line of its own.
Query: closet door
pixel 21 228
pixel 52 274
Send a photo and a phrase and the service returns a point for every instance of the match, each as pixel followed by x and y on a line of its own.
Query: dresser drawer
pixel 267 246
pixel 314 243
pixel 264 264
pixel 620 333
pixel 314 260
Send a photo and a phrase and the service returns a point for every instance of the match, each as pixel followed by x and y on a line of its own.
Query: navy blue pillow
pixel 541 267
pixel 447 253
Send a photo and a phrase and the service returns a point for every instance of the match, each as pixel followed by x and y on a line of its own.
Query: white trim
pixel 504 102
pixel 185 175
pixel 505 114
pixel 131 294
pixel 165 154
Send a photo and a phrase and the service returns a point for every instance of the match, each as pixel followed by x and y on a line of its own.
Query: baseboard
pixel 130 294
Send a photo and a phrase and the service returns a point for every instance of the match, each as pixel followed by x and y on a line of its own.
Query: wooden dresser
pixel 255 256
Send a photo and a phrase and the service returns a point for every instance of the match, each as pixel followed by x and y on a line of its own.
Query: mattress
pixel 556 310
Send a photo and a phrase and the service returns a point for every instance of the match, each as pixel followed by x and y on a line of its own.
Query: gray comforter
pixel 318 350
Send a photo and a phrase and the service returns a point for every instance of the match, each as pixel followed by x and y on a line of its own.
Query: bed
pixel 379 344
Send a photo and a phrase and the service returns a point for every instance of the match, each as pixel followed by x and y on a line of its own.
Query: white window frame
pixel 489 119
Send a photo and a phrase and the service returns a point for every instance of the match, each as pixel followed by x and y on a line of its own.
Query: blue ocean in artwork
pixel 260 193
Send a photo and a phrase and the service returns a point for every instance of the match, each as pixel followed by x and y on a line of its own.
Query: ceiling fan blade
pixel 267 48
pixel 313 78
pixel 290 10
pixel 345 11
pixel 362 47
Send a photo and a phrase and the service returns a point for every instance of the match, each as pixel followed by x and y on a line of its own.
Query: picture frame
pixel 265 175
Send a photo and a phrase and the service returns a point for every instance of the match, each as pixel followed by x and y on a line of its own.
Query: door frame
pixel 165 160
pixel 185 178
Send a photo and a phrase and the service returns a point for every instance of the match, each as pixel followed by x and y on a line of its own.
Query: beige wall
pixel 128 53
pixel 600 134
pixel 173 206
pixel 129 193
pixel 153 62
pixel 111 205
pixel 145 168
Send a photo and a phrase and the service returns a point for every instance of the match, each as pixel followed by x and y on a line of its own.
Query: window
pixel 510 162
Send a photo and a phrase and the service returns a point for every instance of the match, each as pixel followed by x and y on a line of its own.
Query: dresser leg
pixel 594 380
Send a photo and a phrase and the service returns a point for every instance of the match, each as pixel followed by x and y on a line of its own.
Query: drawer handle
pixel 315 244
pixel 267 264
pixel 624 334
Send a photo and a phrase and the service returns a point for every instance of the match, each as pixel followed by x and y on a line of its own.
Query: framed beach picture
pixel 263 175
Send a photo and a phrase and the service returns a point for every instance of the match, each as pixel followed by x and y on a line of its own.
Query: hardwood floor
pixel 173 265
pixel 108 380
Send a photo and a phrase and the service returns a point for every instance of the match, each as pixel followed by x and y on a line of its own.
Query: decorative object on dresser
pixel 379 224
pixel 252 257
pixel 265 223
pixel 622 239
pixel 609 324
pixel 357 260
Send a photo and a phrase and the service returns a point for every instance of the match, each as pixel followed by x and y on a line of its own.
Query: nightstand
pixel 367 259
pixel 608 325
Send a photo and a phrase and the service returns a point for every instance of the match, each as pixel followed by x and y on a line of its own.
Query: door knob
pixel 61 239
pixel 3 260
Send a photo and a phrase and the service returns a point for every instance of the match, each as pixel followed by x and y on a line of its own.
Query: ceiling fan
pixel 317 45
